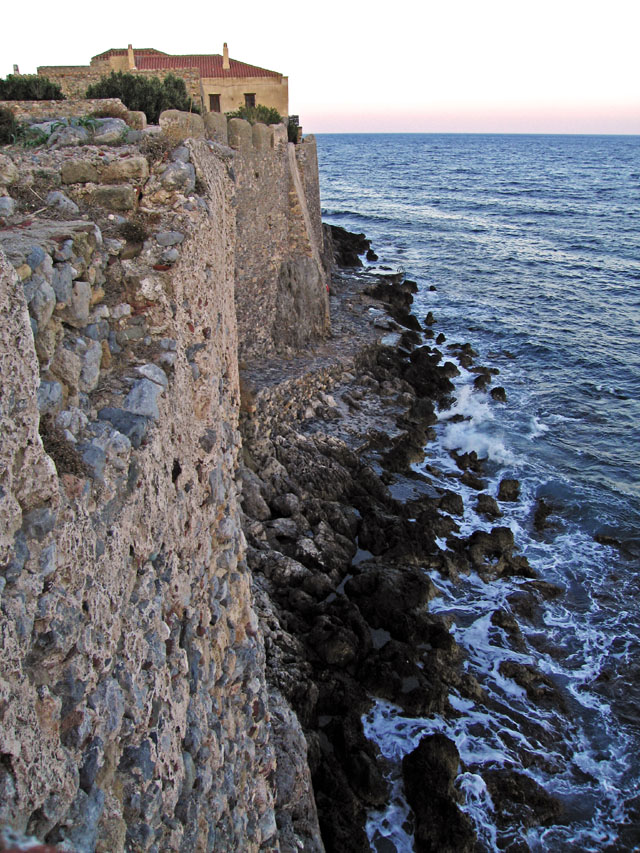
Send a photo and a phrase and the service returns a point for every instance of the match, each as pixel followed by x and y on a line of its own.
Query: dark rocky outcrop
pixel 346 246
pixel 429 773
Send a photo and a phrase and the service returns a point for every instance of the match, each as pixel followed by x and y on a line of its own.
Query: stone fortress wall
pixel 133 704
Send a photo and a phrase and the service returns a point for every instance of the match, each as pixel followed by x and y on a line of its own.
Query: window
pixel 250 99
pixel 214 103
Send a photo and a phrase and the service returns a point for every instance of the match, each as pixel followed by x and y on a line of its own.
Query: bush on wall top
pixel 148 94
pixel 259 113
pixel 29 87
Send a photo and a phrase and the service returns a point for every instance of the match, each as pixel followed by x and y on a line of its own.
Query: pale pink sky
pixel 564 66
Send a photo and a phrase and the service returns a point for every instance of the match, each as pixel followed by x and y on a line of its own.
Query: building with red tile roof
pixel 214 80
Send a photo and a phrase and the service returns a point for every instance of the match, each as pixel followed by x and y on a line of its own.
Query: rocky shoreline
pixel 340 529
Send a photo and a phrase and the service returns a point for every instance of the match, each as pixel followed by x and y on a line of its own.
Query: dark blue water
pixel 533 245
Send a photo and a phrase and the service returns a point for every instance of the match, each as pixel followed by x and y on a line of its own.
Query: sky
pixel 553 66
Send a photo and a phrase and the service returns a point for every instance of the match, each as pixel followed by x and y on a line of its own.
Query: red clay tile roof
pixel 208 64
pixel 114 51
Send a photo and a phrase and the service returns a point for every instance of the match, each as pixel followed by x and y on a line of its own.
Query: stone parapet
pixel 77 108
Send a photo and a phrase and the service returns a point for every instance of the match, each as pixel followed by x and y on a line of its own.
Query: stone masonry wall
pixel 74 80
pixel 134 267
pixel 281 286
pixel 69 109
pixel 133 707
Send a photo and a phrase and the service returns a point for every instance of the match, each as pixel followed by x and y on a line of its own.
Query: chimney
pixel 225 57
pixel 131 60
pixel 16 70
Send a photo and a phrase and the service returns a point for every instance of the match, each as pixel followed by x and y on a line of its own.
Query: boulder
pixel 110 130
pixel 70 135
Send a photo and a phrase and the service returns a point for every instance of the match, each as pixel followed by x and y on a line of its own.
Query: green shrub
pixel 293 129
pixel 148 94
pixel 29 87
pixel 8 126
pixel 260 113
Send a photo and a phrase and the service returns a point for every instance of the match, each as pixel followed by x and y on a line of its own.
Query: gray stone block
pixel 143 399
pixel 49 396
pixel 133 426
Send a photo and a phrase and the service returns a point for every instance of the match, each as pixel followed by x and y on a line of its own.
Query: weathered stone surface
pixel 62 203
pixel 240 134
pixel 215 127
pixel 76 310
pixel 66 365
pixel 49 396
pixel 121 197
pixel 169 238
pixel 78 172
pixel 179 176
pixel 179 125
pixel 7 206
pixel 109 130
pixel 90 358
pixel 70 135
pixel 127 169
pixel 143 399
pixel 41 298
pixel 8 171
pixel 136 119
pixel 62 281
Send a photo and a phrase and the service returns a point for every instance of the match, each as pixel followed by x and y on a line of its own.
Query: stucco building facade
pixel 216 82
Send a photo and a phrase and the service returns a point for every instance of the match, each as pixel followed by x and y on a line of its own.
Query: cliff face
pixel 133 705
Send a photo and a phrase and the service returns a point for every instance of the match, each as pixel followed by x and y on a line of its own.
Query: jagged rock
pixel 253 504
pixel 429 773
pixel 488 506
pixel 41 299
pixel 499 394
pixel 519 798
pixel 347 247
pixel 509 490
pixel 133 426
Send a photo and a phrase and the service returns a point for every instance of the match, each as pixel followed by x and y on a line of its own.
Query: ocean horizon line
pixel 461 133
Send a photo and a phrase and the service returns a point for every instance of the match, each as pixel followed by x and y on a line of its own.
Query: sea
pixel 528 248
